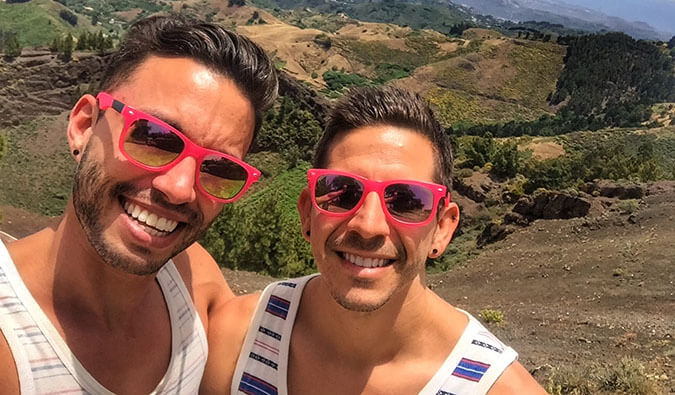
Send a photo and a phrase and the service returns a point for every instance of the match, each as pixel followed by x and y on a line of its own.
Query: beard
pixel 94 192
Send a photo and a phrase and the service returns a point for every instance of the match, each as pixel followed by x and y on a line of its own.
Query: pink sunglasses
pixel 153 145
pixel 340 194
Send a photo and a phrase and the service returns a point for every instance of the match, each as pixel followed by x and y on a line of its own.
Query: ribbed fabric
pixel 472 367
pixel 46 365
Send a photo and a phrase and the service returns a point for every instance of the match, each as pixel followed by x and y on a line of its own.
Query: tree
pixel 12 46
pixel 68 17
pixel 67 48
pixel 262 232
pixel 290 131
pixel 671 43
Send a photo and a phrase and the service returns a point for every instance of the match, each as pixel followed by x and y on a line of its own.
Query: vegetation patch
pixel 491 316
pixel 537 68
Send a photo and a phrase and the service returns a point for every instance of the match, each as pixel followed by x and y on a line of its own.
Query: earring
pixel 435 251
pixel 76 152
pixel 307 233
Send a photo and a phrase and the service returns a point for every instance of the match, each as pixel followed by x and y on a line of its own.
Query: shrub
pixel 492 316
pixel 68 17
pixel 323 41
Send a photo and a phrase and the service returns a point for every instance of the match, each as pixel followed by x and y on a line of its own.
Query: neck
pixel 396 328
pixel 84 283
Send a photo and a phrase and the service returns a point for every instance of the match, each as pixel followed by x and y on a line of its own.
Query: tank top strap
pixel 263 361
pixel 474 364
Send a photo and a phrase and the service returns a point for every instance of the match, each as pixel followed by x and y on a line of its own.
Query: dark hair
pixel 387 106
pixel 228 53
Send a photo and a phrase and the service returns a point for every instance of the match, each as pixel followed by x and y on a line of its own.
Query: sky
pixel 660 14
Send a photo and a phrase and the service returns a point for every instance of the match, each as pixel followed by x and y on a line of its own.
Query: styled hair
pixel 387 105
pixel 228 53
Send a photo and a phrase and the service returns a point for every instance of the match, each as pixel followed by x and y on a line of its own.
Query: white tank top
pixel 472 367
pixel 45 364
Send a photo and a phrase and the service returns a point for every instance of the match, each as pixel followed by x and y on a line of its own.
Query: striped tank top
pixel 45 364
pixel 472 367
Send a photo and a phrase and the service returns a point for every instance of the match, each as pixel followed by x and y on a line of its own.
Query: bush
pixel 492 316
pixel 338 80
pixel 323 41
pixel 68 17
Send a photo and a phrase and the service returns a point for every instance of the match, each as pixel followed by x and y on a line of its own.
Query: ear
pixel 448 219
pixel 82 119
pixel 305 210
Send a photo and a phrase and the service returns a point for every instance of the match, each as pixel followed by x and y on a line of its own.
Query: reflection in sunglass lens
pixel 222 177
pixel 152 144
pixel 408 202
pixel 337 193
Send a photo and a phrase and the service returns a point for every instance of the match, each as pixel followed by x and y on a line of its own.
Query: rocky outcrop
pixel 493 232
pixel 613 189
pixel 552 205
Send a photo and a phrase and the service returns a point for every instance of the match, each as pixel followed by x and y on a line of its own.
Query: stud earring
pixel 435 251
pixel 76 152
pixel 307 233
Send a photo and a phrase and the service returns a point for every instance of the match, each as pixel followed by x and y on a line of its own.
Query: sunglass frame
pixel 191 149
pixel 438 191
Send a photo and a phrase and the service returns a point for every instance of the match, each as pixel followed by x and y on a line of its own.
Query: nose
pixel 369 220
pixel 178 183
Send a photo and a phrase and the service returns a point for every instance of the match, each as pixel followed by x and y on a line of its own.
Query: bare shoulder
pixel 227 331
pixel 9 379
pixel 516 380
pixel 203 278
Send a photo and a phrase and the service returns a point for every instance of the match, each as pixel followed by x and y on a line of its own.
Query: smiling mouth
pixel 151 223
pixel 365 262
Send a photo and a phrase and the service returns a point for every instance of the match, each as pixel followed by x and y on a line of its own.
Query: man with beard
pixel 376 207
pixel 116 298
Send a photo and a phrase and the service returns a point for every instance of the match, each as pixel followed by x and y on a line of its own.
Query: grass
pixel 629 376
pixel 37 22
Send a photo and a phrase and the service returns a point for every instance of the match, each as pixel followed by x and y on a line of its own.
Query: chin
pixel 361 303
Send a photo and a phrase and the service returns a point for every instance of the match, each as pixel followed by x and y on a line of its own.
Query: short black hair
pixel 387 105
pixel 226 52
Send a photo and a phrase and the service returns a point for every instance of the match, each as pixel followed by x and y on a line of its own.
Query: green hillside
pixel 37 22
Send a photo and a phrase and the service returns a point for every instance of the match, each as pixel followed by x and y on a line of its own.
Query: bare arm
pixel 226 334
pixel 9 379
pixel 516 380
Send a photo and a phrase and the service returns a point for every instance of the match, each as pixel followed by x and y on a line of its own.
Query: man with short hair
pixel 117 298
pixel 376 207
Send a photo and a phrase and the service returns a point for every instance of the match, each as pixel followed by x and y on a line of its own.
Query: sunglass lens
pixel 222 177
pixel 337 193
pixel 408 202
pixel 152 144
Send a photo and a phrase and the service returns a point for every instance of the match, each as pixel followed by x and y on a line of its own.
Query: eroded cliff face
pixel 39 83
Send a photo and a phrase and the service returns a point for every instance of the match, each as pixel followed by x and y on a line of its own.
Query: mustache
pixel 159 199
pixel 354 241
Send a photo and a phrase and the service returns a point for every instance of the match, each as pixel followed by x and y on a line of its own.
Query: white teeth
pixel 151 220
pixel 365 262
pixel 161 225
